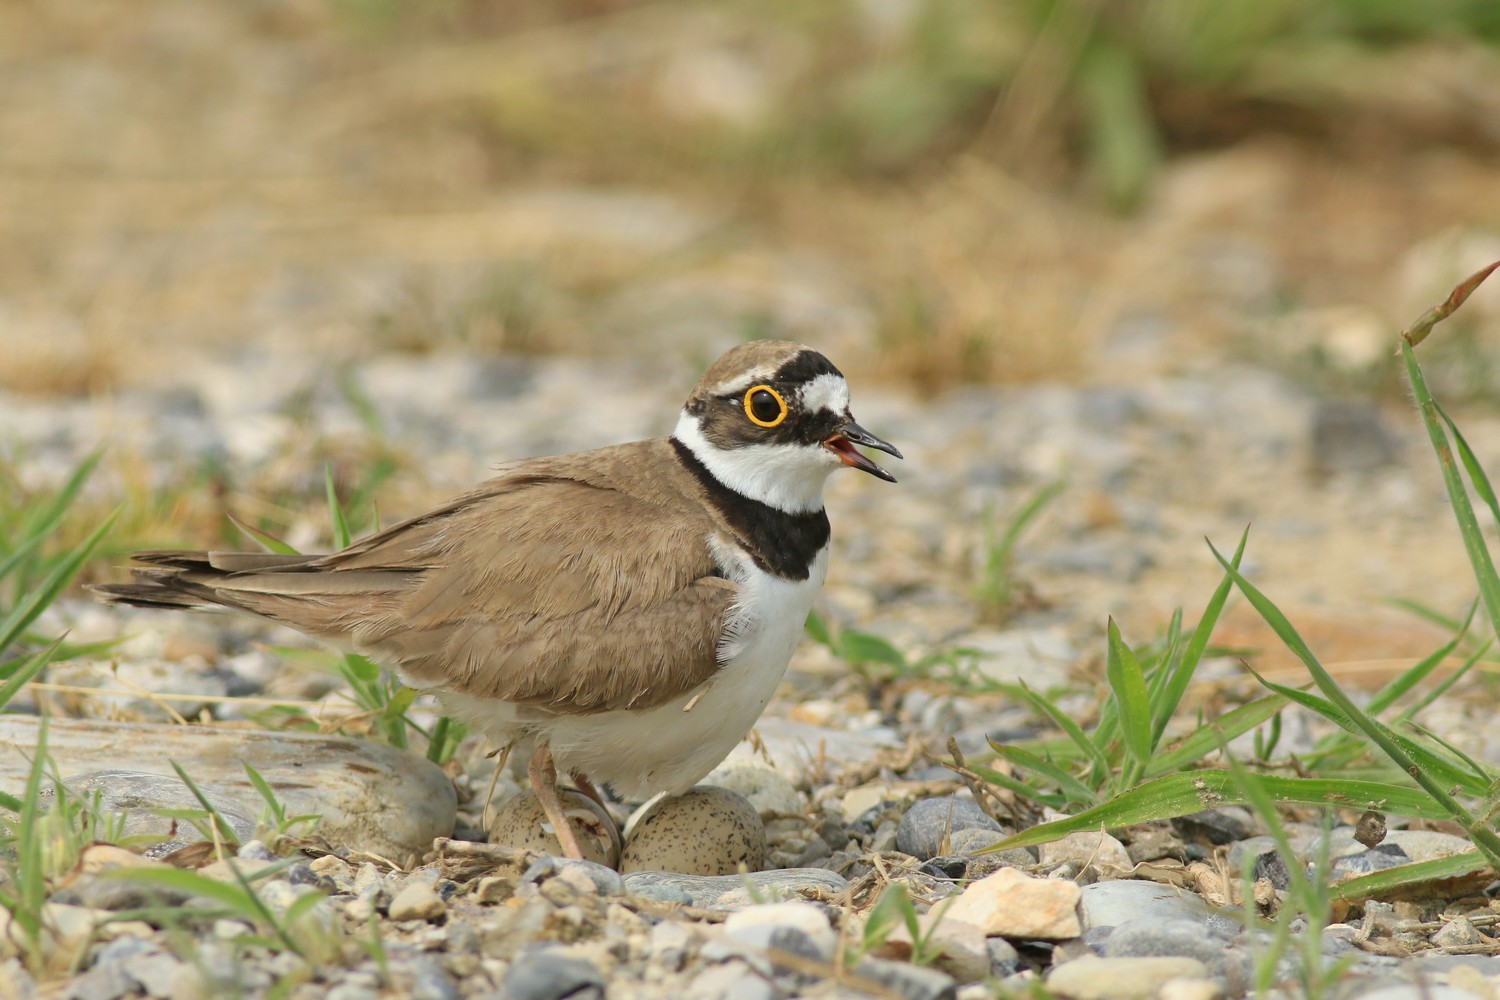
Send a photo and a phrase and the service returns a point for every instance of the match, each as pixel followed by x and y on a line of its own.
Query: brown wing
pixel 538 588
pixel 558 594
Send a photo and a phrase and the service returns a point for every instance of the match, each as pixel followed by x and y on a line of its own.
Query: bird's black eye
pixel 764 406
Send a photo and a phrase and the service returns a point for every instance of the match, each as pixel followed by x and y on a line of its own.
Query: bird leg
pixel 543 775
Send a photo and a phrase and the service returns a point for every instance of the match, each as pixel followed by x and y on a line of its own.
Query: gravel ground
pixel 243 242
pixel 845 777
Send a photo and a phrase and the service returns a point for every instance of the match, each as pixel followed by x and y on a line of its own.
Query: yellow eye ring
pixel 754 401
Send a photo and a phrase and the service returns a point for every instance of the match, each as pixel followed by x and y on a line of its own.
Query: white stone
pixel 417 901
pixel 1089 847
pixel 1011 903
pixel 1091 978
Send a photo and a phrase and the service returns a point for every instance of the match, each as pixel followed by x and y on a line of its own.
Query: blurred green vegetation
pixel 1098 92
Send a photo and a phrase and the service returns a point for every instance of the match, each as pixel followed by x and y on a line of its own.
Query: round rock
pixel 703 831
pixel 542 975
pixel 768 791
pixel 137 796
pixel 929 825
pixel 1114 902
pixel 522 823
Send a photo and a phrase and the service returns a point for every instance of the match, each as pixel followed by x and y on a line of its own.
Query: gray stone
pixel 767 790
pixel 585 876
pixel 136 796
pixel 662 893
pixel 417 901
pixel 1153 937
pixel 255 850
pixel 1115 902
pixel 429 980
pixel 912 982
pixel 929 824
pixel 156 971
pixel 762 934
pixel 546 975
pixel 733 980
pixel 1004 959
pixel 105 981
pixel 734 892
pixel 371 797
pixel 1373 860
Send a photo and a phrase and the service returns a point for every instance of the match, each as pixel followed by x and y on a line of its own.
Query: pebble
pixel 1013 904
pixel 733 980
pixel 582 876
pixel 926 829
pixel 135 796
pixel 734 892
pixel 1087 848
pixel 910 982
pixel 417 901
pixel 545 975
pixel 1091 978
pixel 1153 937
pixel 704 831
pixel 758 926
pixel 766 789
pixel 1110 903
pixel 1456 933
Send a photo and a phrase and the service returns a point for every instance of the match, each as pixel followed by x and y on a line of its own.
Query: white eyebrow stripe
pixel 826 392
pixel 737 385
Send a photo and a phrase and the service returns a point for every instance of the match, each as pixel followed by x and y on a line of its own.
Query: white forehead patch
pixel 826 392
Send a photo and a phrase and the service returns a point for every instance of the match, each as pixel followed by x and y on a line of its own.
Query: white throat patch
pixel 788 477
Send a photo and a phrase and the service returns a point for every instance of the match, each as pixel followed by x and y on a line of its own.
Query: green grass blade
pixel 1182 675
pixel 1032 793
pixel 1071 787
pixel 28 669
pixel 23 550
pixel 264 539
pixel 818 629
pixel 1123 671
pixel 234 896
pixel 1483 837
pixel 221 825
pixel 1410 678
pixel 1184 792
pixel 1203 741
pixel 1165 663
pixel 341 535
pixel 1424 612
pixel 1418 873
pixel 44 593
pixel 1441 689
pixel 1442 770
pixel 40 522
pixel 1477 478
pixel 1463 511
pixel 1064 722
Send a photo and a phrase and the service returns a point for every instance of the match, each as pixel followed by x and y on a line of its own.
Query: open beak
pixel 842 443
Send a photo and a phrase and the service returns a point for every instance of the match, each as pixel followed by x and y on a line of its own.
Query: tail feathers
pixel 152 595
pixel 301 591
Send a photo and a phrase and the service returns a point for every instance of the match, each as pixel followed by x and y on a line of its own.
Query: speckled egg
pixel 704 831
pixel 521 823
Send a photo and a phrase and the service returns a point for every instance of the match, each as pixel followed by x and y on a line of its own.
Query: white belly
pixel 669 748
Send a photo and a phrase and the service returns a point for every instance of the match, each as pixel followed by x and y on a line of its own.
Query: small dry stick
pixel 1419 330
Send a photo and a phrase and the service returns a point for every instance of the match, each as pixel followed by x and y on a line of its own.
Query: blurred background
pixel 212 213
